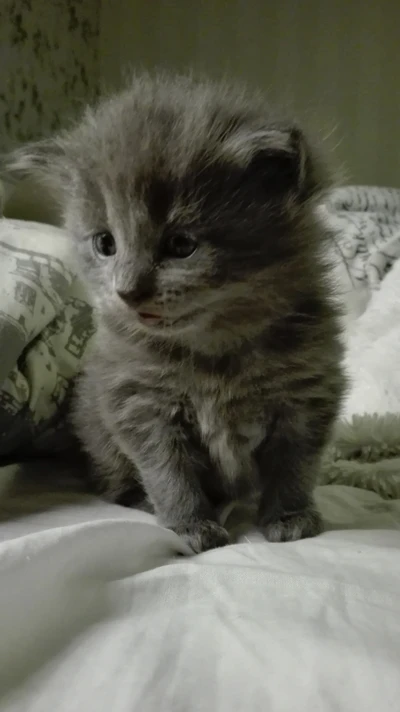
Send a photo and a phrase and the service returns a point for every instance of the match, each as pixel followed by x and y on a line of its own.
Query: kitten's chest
pixel 229 435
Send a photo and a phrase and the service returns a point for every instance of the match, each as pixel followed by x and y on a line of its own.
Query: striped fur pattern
pixel 215 376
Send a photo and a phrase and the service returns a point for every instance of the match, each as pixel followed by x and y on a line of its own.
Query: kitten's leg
pixel 170 471
pixel 171 479
pixel 109 472
pixel 141 459
pixel 288 462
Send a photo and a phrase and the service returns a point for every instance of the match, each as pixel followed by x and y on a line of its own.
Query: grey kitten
pixel 216 371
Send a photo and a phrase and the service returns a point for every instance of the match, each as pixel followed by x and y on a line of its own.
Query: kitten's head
pixel 187 202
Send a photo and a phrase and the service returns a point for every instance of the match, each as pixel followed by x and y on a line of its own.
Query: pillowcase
pixel 45 328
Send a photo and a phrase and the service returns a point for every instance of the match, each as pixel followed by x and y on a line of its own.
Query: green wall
pixel 334 62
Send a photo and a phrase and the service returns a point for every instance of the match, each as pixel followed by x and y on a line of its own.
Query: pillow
pixel 45 328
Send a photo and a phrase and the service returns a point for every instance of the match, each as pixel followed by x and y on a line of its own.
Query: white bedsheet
pixel 97 612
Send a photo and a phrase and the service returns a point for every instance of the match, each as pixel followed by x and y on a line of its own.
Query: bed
pixel 101 609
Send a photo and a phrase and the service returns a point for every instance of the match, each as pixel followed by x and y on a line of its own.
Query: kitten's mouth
pixel 150 319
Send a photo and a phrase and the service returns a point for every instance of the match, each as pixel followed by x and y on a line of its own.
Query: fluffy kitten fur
pixel 232 393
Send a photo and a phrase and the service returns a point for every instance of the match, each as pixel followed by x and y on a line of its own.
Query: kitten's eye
pixel 104 244
pixel 180 245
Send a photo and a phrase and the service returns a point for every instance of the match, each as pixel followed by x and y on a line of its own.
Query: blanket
pixel 365 225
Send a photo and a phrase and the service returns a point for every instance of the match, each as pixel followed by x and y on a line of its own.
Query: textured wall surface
pixel 48 64
pixel 336 61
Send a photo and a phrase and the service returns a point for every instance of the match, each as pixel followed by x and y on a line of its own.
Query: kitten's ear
pixel 44 161
pixel 281 158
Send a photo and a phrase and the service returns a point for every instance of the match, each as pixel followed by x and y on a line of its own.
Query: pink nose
pixel 134 298
pixel 131 297
pixel 142 307
pixel 141 291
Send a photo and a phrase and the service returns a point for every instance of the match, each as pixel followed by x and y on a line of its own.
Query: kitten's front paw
pixel 292 526
pixel 202 536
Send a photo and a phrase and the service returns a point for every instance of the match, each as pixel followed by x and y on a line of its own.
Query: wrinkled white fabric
pixel 98 613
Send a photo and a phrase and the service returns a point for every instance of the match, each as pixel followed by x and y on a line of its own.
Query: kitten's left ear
pixel 44 161
pixel 281 158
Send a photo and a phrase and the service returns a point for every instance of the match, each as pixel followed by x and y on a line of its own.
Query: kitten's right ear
pixel 44 161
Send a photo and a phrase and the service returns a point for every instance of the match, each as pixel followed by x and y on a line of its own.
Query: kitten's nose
pixel 139 303
pixel 131 297
pixel 142 291
pixel 144 309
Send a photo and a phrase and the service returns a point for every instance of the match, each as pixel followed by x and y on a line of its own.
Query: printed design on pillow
pixel 45 327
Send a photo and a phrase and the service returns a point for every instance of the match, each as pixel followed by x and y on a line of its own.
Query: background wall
pixel 48 68
pixel 336 61
pixel 48 64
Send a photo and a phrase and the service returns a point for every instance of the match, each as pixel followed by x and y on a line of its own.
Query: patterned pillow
pixel 45 328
